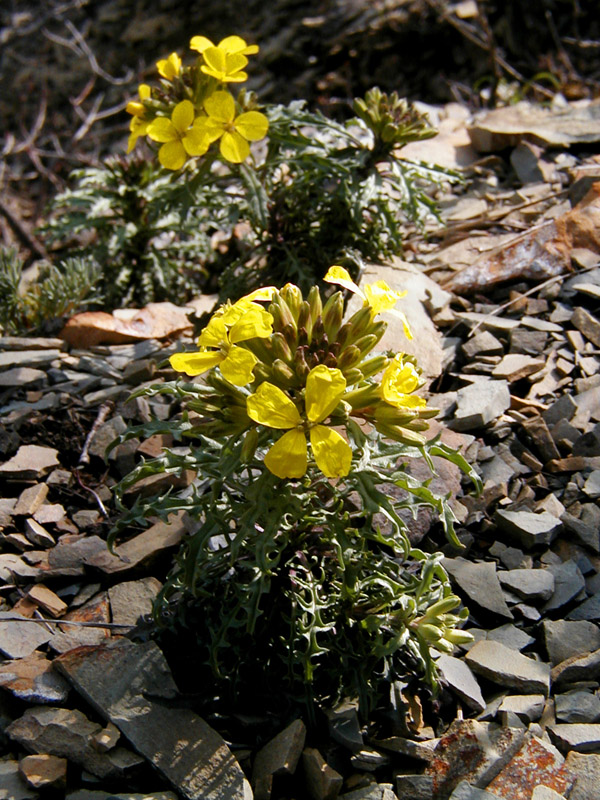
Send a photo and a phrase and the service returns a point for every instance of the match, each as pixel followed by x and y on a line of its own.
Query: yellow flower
pixel 137 107
pixel 288 457
pixel 170 67
pixel 398 382
pixel 182 136
pixel 234 132
pixel 224 61
pixel 137 127
pixel 236 324
pixel 377 295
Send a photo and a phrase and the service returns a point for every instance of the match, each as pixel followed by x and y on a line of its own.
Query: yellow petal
pixel 324 389
pixel 271 407
pixel 235 44
pixel 135 107
pixel 254 323
pixel 220 106
pixel 380 297
pixel 169 67
pixel 398 381
pixel 183 116
pixel 216 60
pixel 200 43
pixel 342 277
pixel 402 316
pixel 209 128
pixel 196 142
pixel 162 129
pixel 172 155
pixel 144 91
pixel 288 458
pixel 252 125
pixel 195 363
pixel 234 148
pixel 237 367
pixel 235 62
pixel 215 333
pixel 138 127
pixel 332 452
pixel 266 293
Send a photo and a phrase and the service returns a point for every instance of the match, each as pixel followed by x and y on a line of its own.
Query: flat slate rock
pixel 528 528
pixel 577 706
pixel 581 737
pixel 508 668
pixel 589 609
pixel 565 638
pixel 536 763
pixel 33 680
pixel 586 769
pixel 480 583
pixel 31 461
pixel 457 674
pixel 18 639
pixel 568 583
pixel 529 584
pixel 585 667
pixel 119 679
pixel 480 404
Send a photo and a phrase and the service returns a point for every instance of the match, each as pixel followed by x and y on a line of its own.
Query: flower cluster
pixel 192 108
pixel 296 367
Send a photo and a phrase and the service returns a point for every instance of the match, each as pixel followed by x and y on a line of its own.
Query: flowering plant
pixel 299 572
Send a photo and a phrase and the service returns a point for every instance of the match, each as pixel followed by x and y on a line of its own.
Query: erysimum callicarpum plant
pixel 222 215
pixel 299 580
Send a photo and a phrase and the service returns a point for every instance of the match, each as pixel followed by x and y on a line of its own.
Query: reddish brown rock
pixel 535 763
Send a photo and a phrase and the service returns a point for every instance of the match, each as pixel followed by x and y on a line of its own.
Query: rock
pixel 577 706
pixel 480 404
pixel 375 791
pixel 87 794
pixel 562 409
pixel 587 324
pixel 480 583
pixel 417 787
pixel 280 756
pixel 577 668
pixel 67 733
pixel 581 737
pixel 12 566
pixel 106 739
pixel 529 584
pixel 49 512
pixel 542 792
pixel 18 639
pixel 508 668
pixel 30 463
pixel 536 763
pixel 131 600
pixel 592 485
pixel 525 161
pixel 515 366
pixel 121 680
pixel 322 781
pixel 543 442
pixel 28 358
pixel 44 771
pixel 464 791
pixel 565 639
pixel 344 727
pixel 22 376
pixel 589 609
pixel 47 600
pixel 461 680
pixel 471 751
pixel 511 636
pixel 421 751
pixel 368 760
pixel 568 583
pixel 482 344
pixel 12 784
pixel 31 499
pixel 528 707
pixel 586 769
pixel 528 528
pixel 33 680
pixel 587 535
pixel 37 534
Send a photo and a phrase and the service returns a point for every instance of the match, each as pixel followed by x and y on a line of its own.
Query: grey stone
pixel 528 528
pixel 19 639
pixel 529 584
pixel 516 366
pixel 568 583
pixel 106 434
pixel 508 668
pixel 344 727
pixel 12 783
pixel 131 600
pixel 577 706
pixel 514 558
pixel 525 161
pixel 417 787
pixel 31 462
pixel 589 609
pixel 581 737
pixel 562 409
pixel 480 404
pixel 91 794
pixel 589 402
pixel 465 791
pixel 577 668
pixel 128 683
pixel 480 583
pixel 542 792
pixel 587 535
pixel 588 444
pixel 482 344
pixel 28 358
pixel 511 636
pixel 67 733
pixel 37 534
pixel 565 639
pixel 13 566
pixel 280 756
pixel 375 791
pixel 322 781
pixel 528 707
pixel 33 680
pixel 41 771
pixel 586 769
pixel 587 324
pixel 31 499
pixel 592 485
pixel 368 760
pixel 22 376
pixel 529 343
pixel 461 680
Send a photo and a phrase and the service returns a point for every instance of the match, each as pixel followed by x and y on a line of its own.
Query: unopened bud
pixel 300 364
pixel 304 320
pixel 400 434
pixel 365 344
pixel 374 365
pixel 353 376
pixel 282 315
pixel 431 633
pixel 249 446
pixel 292 296
pixel 316 306
pixel 291 336
pixel 280 347
pixel 282 373
pixel 456 636
pixel 333 313
pixel 318 335
pixel 359 324
pixel 349 358
pixel 443 606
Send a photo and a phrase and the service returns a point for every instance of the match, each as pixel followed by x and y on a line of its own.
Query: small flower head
pixel 398 382
pixel 377 296
pixel 288 457
pixel 170 67
pixel 233 132
pixel 137 107
pixel 224 61
pixel 182 136
pixel 137 127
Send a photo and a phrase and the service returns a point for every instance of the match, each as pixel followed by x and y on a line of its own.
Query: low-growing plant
pixel 57 292
pixel 219 215
pixel 299 580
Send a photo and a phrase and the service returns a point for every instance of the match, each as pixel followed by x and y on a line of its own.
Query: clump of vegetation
pixel 300 580
pixel 58 292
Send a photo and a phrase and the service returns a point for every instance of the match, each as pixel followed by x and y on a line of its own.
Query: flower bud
pixel 398 434
pixel 292 296
pixel 349 357
pixel 431 633
pixel 282 315
pixel 333 313
pixel 363 397
pixel 318 335
pixel 290 333
pixel 304 320
pixel 280 347
pixel 365 344
pixel 456 636
pixel 358 325
pixel 249 446
pixel 316 306
pixel 443 606
pixel 374 365
pixel 282 373
pixel 300 364
pixel 353 376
